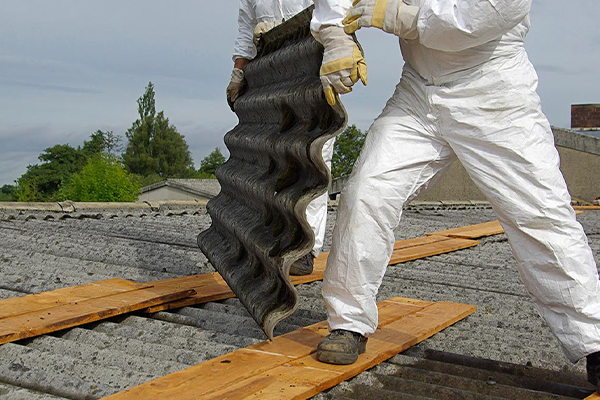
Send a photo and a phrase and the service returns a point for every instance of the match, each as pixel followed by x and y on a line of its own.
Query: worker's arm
pixel 455 25
pixel 244 51
pixel 329 12
pixel 244 45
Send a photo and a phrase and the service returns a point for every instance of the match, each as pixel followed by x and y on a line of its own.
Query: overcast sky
pixel 70 67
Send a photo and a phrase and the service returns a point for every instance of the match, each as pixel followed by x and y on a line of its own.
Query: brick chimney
pixel 585 117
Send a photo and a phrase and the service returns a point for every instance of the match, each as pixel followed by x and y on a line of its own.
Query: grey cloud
pixel 54 88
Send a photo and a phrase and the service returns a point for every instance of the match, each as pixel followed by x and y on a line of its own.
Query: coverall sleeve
pixel 244 46
pixel 455 25
pixel 329 12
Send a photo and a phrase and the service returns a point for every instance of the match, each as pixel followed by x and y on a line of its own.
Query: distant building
pixel 181 189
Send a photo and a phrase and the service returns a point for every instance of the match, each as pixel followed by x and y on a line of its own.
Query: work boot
pixel 341 347
pixel 303 265
pixel 593 368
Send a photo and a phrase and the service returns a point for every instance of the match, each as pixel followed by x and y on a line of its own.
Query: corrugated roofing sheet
pixel 94 360
pixel 275 169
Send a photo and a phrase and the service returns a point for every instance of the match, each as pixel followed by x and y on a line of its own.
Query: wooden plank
pixel 211 287
pixel 306 377
pixel 292 371
pixel 594 396
pixel 35 302
pixel 241 365
pixel 302 342
pixel 420 241
pixel 73 314
pixel 586 207
pixel 472 231
pixel 430 249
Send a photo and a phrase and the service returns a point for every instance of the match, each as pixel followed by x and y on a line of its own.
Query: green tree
pixel 209 164
pixel 100 142
pixel 154 146
pixel 346 150
pixel 7 193
pixel 102 179
pixel 41 181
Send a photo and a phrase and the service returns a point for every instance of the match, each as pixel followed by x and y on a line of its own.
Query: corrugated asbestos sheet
pixel 275 169
pixel 46 250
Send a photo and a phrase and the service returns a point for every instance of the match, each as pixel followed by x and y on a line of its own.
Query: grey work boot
pixel 303 265
pixel 341 347
pixel 593 368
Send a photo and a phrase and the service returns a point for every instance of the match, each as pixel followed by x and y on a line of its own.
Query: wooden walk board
pixel 211 287
pixel 62 316
pixel 286 368
pixel 472 231
pixel 35 302
pixel 435 247
pixel 586 207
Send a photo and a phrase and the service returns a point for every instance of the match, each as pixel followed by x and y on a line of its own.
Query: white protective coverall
pixel 467 91
pixel 251 13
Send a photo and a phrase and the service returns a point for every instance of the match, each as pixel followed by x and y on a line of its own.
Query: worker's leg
pixel 506 144
pixel 401 154
pixel 316 211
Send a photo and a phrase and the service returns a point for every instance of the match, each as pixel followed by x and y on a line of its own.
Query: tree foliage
pixel 102 179
pixel 154 146
pixel 346 150
pixel 7 193
pixel 209 164
pixel 41 181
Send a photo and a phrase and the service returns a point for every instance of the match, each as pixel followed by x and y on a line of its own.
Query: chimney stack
pixel 585 117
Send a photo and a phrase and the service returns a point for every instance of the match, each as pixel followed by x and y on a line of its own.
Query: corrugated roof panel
pixel 275 169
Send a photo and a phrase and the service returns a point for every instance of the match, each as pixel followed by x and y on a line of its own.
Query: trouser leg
pixel 316 211
pixel 399 157
pixel 508 149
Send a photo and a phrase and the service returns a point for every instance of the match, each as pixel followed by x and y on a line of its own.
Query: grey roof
pixel 203 187
pixel 49 250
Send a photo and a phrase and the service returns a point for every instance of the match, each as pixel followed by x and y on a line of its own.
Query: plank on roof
pixel 472 231
pixel 211 287
pixel 586 207
pixel 35 302
pixel 445 245
pixel 286 367
pixel 64 316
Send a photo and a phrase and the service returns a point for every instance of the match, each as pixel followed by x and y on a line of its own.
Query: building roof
pixel 47 250
pixel 202 187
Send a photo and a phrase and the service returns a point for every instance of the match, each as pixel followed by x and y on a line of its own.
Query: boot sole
pixel 334 357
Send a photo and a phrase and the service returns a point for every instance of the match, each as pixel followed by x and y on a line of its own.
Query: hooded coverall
pixel 467 92
pixel 251 13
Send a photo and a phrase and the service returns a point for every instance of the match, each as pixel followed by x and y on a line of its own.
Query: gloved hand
pixel 235 87
pixel 343 63
pixel 391 16
pixel 263 27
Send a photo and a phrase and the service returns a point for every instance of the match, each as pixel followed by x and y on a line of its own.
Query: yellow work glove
pixel 235 87
pixel 391 16
pixel 343 63
pixel 263 27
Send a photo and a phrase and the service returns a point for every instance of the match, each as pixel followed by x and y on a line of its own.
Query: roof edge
pixel 571 139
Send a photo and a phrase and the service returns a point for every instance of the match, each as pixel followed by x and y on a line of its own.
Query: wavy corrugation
pixel 275 169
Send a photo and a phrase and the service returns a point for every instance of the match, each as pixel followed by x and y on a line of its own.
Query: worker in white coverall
pixel 255 18
pixel 467 92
